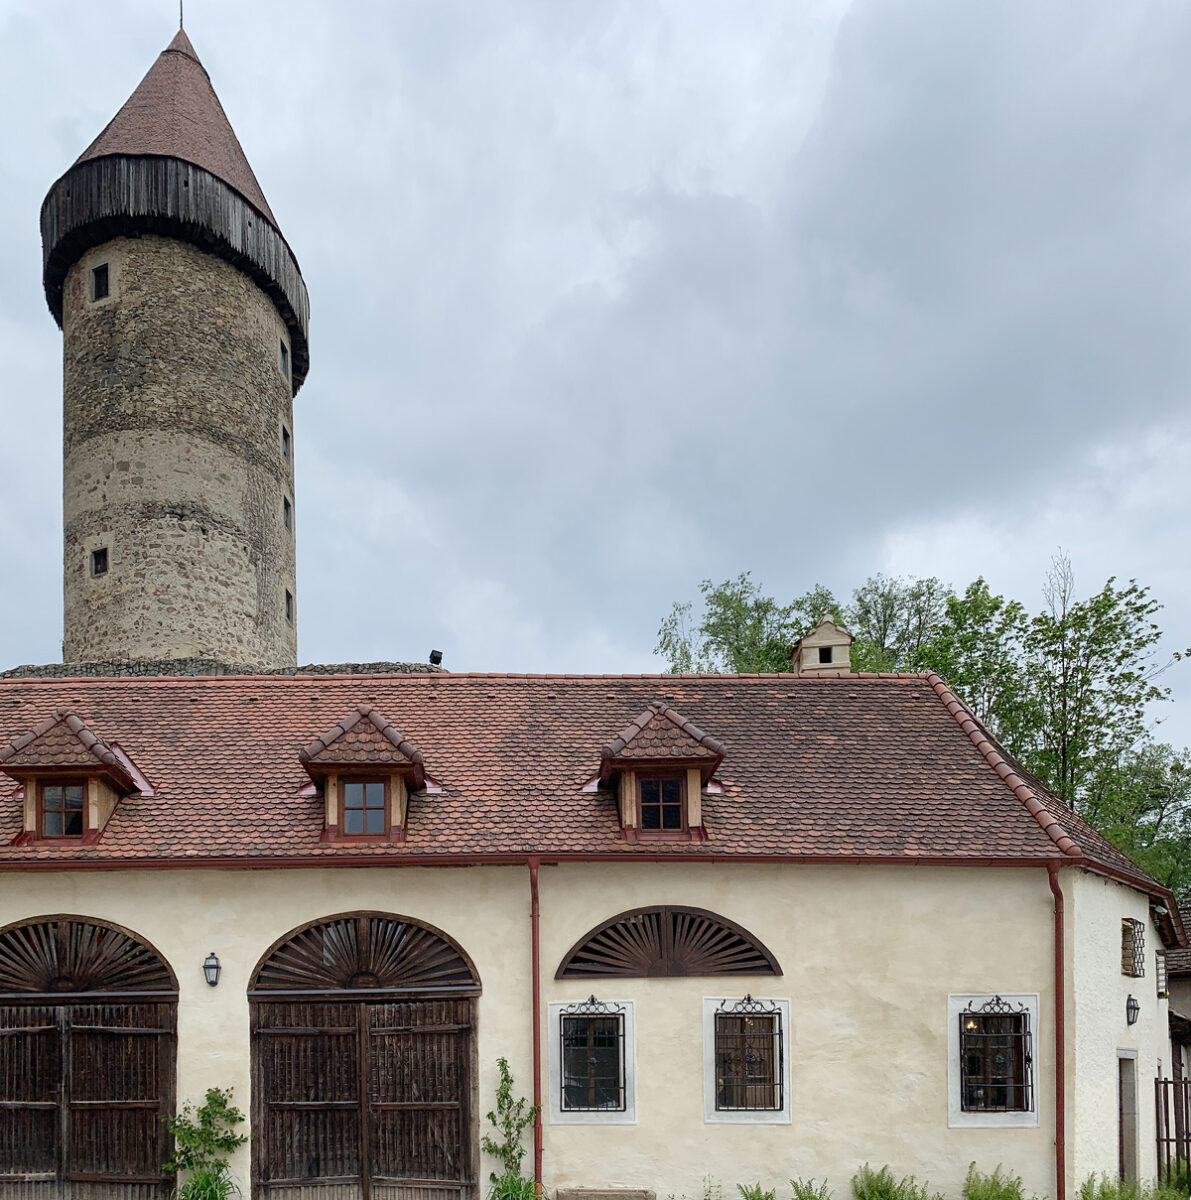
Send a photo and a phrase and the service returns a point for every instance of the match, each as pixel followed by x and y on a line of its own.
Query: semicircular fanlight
pixel 71 955
pixel 668 940
pixel 365 951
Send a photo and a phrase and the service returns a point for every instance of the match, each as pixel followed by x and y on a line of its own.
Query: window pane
pixel 376 820
pixel 52 798
pixel 650 791
pixel 748 1062
pixel 74 797
pixel 52 824
pixel 651 816
pixel 376 795
pixel 353 795
pixel 353 820
pixel 74 824
pixel 592 1063
pixel 994 1061
pixel 671 791
pixel 672 816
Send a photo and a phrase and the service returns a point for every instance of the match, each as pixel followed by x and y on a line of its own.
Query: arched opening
pixel 666 940
pixel 363 1071
pixel 88 1020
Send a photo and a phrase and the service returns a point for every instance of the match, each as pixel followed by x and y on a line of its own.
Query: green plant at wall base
pixel 1105 1187
pixel 202 1139
pixel 808 1189
pixel 513 1187
pixel 754 1191
pixel 510 1120
pixel 997 1186
pixel 868 1184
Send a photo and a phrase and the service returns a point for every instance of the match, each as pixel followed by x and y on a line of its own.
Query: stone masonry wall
pixel 175 401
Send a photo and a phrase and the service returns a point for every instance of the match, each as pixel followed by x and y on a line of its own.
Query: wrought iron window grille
pixel 592 1036
pixel 996 1057
pixel 750 1060
pixel 1133 948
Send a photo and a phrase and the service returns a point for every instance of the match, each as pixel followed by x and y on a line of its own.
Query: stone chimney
pixel 825 649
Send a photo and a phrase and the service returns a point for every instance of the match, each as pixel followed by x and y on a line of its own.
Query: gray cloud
pixel 609 298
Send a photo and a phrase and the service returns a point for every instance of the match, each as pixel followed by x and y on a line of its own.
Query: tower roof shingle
pixel 175 113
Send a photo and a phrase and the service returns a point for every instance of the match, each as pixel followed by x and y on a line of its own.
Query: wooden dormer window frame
pixel 656 804
pixel 337 823
pixel 366 808
pixel 63 810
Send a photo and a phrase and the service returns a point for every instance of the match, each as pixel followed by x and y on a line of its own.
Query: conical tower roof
pixel 169 163
pixel 175 112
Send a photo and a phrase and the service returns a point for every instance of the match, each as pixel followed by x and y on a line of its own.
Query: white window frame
pixel 957 1118
pixel 736 1116
pixel 561 1116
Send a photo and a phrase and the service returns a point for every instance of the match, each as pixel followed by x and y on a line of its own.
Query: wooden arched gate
pixel 363 1066
pixel 88 1014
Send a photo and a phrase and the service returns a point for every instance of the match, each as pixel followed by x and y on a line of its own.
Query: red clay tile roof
pixel 362 738
pixel 62 741
pixel 175 113
pixel 827 766
pixel 660 733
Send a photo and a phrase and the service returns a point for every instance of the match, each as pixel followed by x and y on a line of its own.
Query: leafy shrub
pixel 513 1187
pixel 202 1138
pixel 807 1189
pixel 868 1184
pixel 1106 1187
pixel 754 1191
pixel 510 1121
pixel 997 1186
pixel 712 1188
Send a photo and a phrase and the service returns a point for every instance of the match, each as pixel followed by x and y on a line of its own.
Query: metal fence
pixel 1174 1130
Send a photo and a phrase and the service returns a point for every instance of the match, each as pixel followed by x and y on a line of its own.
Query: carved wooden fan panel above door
pixel 363 1071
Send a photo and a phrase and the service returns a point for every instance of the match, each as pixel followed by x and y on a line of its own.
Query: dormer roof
pixel 660 735
pixel 175 113
pixel 363 739
pixel 61 744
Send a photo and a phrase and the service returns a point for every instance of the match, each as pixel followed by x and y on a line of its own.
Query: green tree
pixel 1143 804
pixel 1091 668
pixel 977 648
pixel 740 628
pixel 892 618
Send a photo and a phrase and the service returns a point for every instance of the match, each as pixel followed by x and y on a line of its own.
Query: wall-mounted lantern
pixel 1132 1010
pixel 211 969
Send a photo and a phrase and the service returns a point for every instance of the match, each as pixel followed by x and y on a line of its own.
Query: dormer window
pixel 365 807
pixel 60 809
pixel 72 780
pixel 661 805
pixel 366 771
pixel 659 766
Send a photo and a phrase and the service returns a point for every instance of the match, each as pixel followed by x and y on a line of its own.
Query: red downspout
pixel 1052 871
pixel 536 1005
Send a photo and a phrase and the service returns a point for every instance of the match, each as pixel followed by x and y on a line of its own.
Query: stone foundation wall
pixel 175 398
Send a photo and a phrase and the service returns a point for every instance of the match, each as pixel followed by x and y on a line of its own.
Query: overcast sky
pixel 608 298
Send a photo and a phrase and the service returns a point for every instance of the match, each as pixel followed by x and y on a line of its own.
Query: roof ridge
pixel 992 754
pixel 581 677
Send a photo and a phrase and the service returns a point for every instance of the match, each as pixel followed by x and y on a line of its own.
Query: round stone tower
pixel 184 319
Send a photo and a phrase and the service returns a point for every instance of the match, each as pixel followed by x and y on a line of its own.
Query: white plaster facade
pixel 869 958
